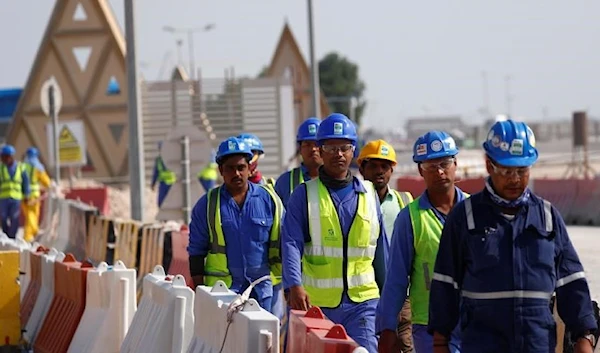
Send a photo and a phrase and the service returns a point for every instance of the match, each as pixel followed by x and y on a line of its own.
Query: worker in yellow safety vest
pixel 161 174
pixel 333 240
pixel 415 242
pixel 376 163
pixel 14 189
pixel 38 178
pixel 235 228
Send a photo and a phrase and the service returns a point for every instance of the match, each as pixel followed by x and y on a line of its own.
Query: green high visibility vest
pixel 323 260
pixel 215 267
pixel 34 183
pixel 11 188
pixel 166 176
pixel 427 230
pixel 404 197
pixel 296 178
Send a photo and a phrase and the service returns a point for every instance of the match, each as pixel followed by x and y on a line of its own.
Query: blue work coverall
pixel 505 271
pixel 10 209
pixel 357 318
pixel 282 186
pixel 247 232
pixel 163 188
pixel 400 265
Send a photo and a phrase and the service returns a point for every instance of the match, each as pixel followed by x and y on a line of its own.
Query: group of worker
pixel 445 272
pixel 20 191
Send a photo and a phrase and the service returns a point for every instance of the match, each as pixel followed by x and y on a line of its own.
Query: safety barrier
pixel 35 284
pixel 179 256
pixel 96 197
pixel 164 321
pixel 109 308
pixel 250 330
pixel 23 248
pixel 10 325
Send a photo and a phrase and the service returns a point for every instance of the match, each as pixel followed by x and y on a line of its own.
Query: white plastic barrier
pixel 252 329
pixel 109 308
pixel 45 296
pixel 165 319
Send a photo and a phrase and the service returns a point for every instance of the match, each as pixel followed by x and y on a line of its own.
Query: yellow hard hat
pixel 378 149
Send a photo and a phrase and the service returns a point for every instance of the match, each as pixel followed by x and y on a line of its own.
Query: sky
pixel 416 57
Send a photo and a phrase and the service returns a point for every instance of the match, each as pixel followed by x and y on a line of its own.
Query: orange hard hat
pixel 378 149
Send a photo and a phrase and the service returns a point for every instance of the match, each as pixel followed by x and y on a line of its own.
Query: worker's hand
pixel 388 342
pixel 583 345
pixel 440 343
pixel 26 200
pixel 298 299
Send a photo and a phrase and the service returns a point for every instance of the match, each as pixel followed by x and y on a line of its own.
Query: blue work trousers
pixel 358 319
pixel 10 210
pixel 423 341
pixel 163 190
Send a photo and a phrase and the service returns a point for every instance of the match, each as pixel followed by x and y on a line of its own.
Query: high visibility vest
pixel 34 183
pixel 215 267
pixel 325 273
pixel 296 178
pixel 164 175
pixel 427 231
pixel 11 188
pixel 404 198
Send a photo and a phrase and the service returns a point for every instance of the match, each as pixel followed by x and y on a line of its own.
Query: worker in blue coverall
pixel 235 229
pixel 504 252
pixel 333 241
pixel 161 174
pixel 208 175
pixel 14 189
pixel 306 139
pixel 417 232
pixel 258 152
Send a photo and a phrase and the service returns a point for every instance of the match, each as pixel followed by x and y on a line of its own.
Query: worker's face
pixel 439 174
pixel 7 159
pixel 311 154
pixel 508 182
pixel 337 156
pixel 377 171
pixel 235 171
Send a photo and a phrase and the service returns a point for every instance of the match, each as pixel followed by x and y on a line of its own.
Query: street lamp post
pixel 315 91
pixel 190 34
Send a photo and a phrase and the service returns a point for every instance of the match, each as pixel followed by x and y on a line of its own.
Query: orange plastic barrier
pixel 180 264
pixel 97 197
pixel 334 340
pixel 67 306
pixel 300 323
pixel 35 284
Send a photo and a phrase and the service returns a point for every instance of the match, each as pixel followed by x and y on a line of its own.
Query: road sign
pixel 44 97
pixel 71 143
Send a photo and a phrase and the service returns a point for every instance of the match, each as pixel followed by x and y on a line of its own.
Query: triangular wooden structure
pixel 288 60
pixel 84 50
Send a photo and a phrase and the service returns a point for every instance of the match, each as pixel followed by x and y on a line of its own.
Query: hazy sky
pixel 416 57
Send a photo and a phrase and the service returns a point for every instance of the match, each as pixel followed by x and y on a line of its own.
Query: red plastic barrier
pixel 67 306
pixel 334 340
pixel 97 197
pixel 560 192
pixel 300 323
pixel 35 284
pixel 584 198
pixel 180 264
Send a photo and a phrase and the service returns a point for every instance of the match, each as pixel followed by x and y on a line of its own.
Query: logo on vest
pixel 330 235
pixel 312 129
pixel 338 128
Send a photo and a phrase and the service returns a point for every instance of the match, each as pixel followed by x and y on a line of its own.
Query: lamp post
pixel 314 70
pixel 190 33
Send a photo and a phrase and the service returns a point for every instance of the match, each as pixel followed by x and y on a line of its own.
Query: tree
pixel 263 72
pixel 339 80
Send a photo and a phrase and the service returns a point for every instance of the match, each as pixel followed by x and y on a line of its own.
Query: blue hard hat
pixel 432 145
pixel 32 152
pixel 252 141
pixel 233 145
pixel 307 131
pixel 511 144
pixel 337 126
pixel 8 150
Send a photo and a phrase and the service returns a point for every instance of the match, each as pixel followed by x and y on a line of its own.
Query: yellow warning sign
pixel 69 150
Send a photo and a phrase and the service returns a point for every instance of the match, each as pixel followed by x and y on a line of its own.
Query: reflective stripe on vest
pixel 323 261
pixel 11 188
pixel 296 178
pixel 34 183
pixel 427 230
pixel 216 260
pixel 404 198
pixel 166 176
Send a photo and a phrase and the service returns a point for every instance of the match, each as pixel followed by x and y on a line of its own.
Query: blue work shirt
pixel 400 264
pixel 497 272
pixel 25 187
pixel 282 186
pixel 247 232
pixel 295 232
